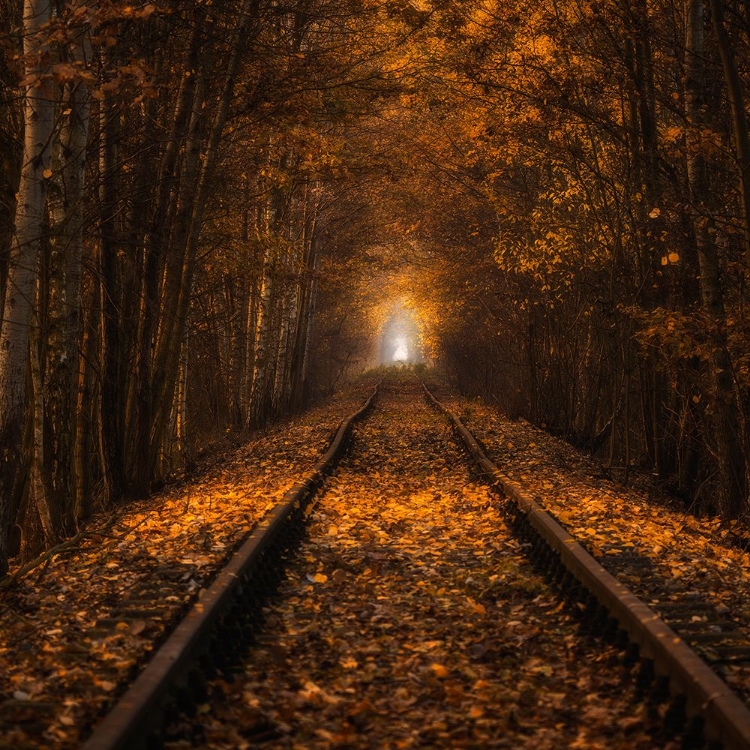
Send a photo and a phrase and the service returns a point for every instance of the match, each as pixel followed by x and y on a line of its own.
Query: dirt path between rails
pixel 410 618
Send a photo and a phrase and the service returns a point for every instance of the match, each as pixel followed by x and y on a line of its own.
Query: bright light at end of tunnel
pixel 399 342
pixel 401 352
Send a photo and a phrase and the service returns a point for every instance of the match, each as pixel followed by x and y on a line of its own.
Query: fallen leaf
pixel 477 607
pixel 137 627
pixel 439 670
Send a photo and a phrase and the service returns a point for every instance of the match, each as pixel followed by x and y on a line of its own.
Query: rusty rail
pixel 726 718
pixel 178 670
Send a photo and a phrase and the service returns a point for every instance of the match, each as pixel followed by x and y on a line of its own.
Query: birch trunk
pixel 305 304
pixel 285 322
pixel 262 340
pixel 22 270
pixel 310 328
pixel 254 303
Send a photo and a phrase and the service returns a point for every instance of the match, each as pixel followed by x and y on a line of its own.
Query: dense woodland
pixel 209 210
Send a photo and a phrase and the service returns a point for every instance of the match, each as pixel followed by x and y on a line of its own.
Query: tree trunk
pixel 739 116
pixel 141 445
pixel 306 302
pixel 90 412
pixel 112 371
pixel 39 495
pixel 257 413
pixel 179 265
pixel 724 406
pixel 22 269
pixel 254 306
pixel 187 237
pixel 66 272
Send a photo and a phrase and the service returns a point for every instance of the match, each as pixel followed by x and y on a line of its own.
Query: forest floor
pixel 411 616
pixel 75 631
pixel 690 557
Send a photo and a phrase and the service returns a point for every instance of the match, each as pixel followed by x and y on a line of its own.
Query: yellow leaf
pixel 320 578
pixel 47 174
pixel 655 213
pixel 673 257
pixel 349 663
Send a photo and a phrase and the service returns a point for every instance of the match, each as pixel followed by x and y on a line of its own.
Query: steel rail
pixel 726 717
pixel 131 722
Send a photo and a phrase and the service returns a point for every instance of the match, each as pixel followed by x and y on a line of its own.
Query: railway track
pixel 403 515
pixel 716 714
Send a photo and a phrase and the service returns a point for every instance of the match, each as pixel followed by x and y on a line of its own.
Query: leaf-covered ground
pixel 74 631
pixel 681 557
pixel 411 618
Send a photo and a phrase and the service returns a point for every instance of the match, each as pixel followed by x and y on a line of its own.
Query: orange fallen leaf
pixel 439 670
pixel 477 607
